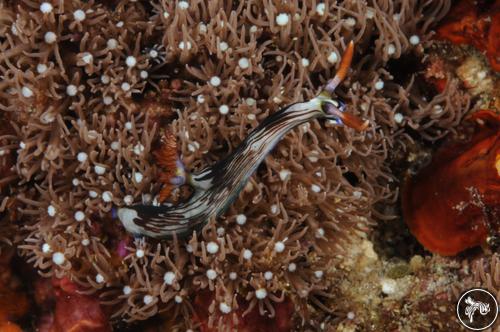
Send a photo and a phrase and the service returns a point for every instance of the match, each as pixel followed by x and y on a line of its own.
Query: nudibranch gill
pixel 216 187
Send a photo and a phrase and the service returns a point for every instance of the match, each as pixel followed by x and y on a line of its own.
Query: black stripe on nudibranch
pixel 218 186
pixel 226 179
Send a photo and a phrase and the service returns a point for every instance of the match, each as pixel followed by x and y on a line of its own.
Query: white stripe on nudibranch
pixel 127 217
pixel 216 186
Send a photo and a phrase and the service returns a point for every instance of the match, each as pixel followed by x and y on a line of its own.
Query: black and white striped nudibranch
pixel 216 187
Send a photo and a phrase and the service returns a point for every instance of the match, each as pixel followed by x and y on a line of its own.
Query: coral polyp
pixel 111 106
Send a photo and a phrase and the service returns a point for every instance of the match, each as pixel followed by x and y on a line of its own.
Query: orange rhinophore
pixel 166 158
pixel 454 203
pixel 348 119
pixel 345 64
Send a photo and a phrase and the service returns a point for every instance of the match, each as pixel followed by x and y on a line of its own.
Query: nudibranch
pixel 216 187
pixel 454 202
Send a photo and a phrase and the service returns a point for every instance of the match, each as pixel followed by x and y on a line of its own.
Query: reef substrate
pixel 89 91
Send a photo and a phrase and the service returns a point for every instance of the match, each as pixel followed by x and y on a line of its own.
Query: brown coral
pixel 75 76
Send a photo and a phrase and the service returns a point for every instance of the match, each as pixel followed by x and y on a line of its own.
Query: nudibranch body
pixel 217 186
